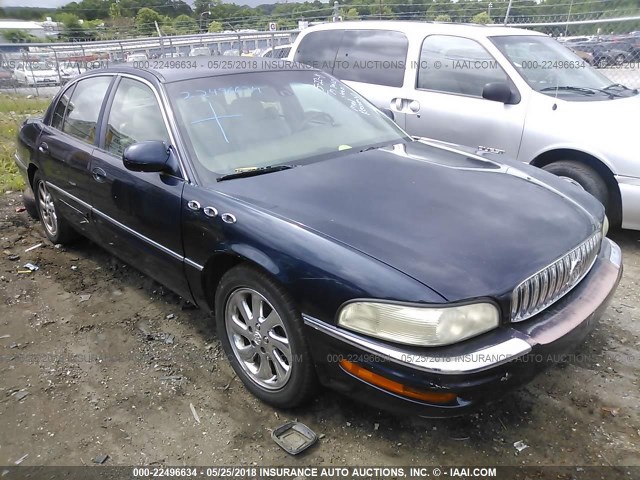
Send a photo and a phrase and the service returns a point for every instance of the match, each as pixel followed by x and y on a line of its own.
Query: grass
pixel 13 110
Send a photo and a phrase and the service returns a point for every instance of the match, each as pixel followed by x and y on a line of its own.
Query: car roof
pixel 413 27
pixel 226 66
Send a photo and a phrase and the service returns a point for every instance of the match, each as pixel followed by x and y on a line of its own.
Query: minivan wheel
pixel 261 332
pixel 620 59
pixel 584 175
pixel 602 63
pixel 57 229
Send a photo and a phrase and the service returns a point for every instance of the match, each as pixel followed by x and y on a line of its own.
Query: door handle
pixel 99 175
pixel 43 148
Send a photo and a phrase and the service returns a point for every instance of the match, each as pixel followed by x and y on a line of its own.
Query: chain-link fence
pixel 40 68
pixel 605 37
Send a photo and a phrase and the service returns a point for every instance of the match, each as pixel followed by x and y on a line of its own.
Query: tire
pixel 583 174
pixel 281 377
pixel 620 59
pixel 56 228
pixel 602 63
pixel 29 202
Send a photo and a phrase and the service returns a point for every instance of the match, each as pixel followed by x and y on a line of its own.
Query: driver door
pixel 446 103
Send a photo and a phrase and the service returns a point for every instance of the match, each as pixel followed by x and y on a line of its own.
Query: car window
pixel 84 108
pixel 456 65
pixel 248 120
pixel 372 56
pixel 319 49
pixel 57 118
pixel 135 116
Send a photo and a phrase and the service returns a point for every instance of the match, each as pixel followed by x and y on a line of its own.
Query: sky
pixel 57 3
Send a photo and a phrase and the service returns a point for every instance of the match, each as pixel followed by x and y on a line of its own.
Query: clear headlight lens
pixel 605 226
pixel 421 326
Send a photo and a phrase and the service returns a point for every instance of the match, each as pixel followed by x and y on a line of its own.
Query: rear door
pixel 65 147
pixel 138 214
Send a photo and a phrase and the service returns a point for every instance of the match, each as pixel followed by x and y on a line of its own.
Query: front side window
pixel 234 122
pixel 372 56
pixel 57 117
pixel 134 116
pixel 84 108
pixel 456 65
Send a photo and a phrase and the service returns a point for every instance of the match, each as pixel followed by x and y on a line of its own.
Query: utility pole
pixel 490 5
pixel 336 11
pixel 506 17
pixel 566 27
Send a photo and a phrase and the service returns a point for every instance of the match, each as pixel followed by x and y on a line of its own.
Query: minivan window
pixel 456 65
pixel 372 56
pixel 544 63
pixel 319 49
pixel 84 107
pixel 135 116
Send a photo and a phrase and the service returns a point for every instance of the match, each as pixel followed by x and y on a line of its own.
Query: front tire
pixel 583 174
pixel 261 332
pixel 57 229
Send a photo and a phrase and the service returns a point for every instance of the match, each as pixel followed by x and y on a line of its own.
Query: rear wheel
pixel 57 229
pixel 261 332
pixel 602 63
pixel 620 59
pixel 584 175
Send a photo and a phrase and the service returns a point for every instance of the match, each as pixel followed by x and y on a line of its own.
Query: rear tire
pixel 583 174
pixel 261 331
pixel 56 228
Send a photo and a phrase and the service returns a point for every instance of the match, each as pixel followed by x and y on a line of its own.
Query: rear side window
pixel 457 65
pixel 57 118
pixel 84 108
pixel 372 56
pixel 135 116
pixel 319 49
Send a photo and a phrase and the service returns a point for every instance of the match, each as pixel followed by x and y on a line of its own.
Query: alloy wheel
pixel 47 210
pixel 258 338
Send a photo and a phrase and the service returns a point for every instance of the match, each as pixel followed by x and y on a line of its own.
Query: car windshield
pixel 251 120
pixel 38 66
pixel 545 64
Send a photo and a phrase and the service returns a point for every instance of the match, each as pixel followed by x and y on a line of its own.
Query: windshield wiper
pixel 253 171
pixel 584 90
pixel 620 86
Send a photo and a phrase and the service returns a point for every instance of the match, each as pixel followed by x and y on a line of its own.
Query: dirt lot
pixel 110 363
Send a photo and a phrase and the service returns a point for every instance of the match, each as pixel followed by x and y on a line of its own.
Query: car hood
pixel 462 225
pixel 42 73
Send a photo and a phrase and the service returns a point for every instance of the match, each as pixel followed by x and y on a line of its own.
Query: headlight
pixel 605 226
pixel 421 326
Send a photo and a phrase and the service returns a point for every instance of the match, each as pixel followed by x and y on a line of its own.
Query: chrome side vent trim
pixel 554 281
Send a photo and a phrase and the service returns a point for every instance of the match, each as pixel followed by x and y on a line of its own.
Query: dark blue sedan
pixel 332 248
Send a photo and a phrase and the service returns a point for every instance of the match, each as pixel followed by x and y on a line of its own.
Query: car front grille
pixel 554 281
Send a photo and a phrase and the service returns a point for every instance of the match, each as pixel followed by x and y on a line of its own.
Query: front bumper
pixel 477 370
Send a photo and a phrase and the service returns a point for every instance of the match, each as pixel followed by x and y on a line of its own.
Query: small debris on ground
pixel 85 298
pixel 376 426
pixel 20 395
pixel 195 414
pixel 5 336
pixel 170 316
pixel 21 459
pixel 31 267
pixel 20 209
pixel 520 445
pixel 611 411
pixel 33 248
pixel 100 459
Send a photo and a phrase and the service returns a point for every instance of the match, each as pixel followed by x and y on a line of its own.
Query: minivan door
pixel 447 102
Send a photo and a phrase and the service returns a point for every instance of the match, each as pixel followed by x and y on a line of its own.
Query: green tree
pixel 145 21
pixel 184 24
pixel 481 18
pixel 19 36
pixel 351 14
pixel 215 27
pixel 443 17
pixel 115 11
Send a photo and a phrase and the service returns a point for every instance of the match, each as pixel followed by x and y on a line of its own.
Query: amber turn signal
pixel 396 387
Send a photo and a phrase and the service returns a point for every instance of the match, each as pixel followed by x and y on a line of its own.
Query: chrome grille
pixel 554 281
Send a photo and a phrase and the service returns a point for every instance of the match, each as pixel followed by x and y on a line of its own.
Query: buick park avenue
pixel 332 248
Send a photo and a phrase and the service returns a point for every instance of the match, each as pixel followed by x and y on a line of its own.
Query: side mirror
pixel 149 156
pixel 498 92
pixel 388 113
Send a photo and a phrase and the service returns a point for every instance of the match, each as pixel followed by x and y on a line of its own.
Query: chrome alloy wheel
pixel 47 210
pixel 258 338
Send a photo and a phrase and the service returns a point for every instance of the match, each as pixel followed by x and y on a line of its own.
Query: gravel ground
pixel 96 359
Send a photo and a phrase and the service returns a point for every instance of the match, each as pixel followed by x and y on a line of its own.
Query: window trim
pixel 509 80
pixel 176 147
pixel 64 114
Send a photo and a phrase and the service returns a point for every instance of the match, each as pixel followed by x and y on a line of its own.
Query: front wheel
pixel 261 332
pixel 584 175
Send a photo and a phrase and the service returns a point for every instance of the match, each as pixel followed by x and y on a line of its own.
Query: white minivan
pixel 496 89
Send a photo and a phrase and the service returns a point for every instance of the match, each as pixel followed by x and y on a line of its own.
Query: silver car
pixel 496 89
